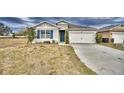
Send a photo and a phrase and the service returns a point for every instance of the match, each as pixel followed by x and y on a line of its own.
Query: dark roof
pixel 80 28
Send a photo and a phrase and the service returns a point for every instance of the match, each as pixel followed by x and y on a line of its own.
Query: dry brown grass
pixel 9 42
pixel 45 59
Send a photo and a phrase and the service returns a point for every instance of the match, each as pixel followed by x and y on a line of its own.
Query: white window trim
pixel 48 34
pixel 45 36
pixel 45 33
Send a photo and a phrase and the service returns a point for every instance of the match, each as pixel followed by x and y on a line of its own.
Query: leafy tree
pixel 30 34
pixel 98 38
pixel 4 30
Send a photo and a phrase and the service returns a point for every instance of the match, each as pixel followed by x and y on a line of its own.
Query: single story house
pixel 46 31
pixel 113 34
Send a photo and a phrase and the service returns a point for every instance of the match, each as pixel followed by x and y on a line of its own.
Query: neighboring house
pixel 46 31
pixel 113 34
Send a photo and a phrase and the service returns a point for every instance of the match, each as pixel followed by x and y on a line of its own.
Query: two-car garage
pixel 82 36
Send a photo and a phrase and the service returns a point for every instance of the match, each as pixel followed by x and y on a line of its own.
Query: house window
pixel 48 33
pixel 38 34
pixel 42 33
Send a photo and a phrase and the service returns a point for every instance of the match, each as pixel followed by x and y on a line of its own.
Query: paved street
pixel 103 60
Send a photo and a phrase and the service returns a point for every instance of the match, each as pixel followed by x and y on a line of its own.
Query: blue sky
pixel 16 23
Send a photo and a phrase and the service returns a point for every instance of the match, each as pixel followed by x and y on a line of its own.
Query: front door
pixel 62 36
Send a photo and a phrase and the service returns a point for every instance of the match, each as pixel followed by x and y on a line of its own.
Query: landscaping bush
pixel 13 35
pixel 98 38
pixel 46 42
pixel 112 40
pixel 66 37
pixel 53 41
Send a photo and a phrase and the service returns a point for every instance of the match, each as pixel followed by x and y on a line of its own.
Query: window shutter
pixel 38 34
pixel 51 34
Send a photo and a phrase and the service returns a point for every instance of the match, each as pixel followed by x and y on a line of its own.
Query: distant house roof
pixel 108 27
pixel 113 28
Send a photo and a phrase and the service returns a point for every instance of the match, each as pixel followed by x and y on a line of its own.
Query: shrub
pixel 98 38
pixel 53 41
pixel 112 40
pixel 46 42
pixel 13 35
pixel 66 37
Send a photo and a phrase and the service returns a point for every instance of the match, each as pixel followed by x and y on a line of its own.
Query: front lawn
pixel 40 59
pixel 117 46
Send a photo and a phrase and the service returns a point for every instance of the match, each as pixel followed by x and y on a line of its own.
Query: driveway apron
pixel 103 60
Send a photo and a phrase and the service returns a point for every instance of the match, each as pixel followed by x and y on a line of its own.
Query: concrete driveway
pixel 103 60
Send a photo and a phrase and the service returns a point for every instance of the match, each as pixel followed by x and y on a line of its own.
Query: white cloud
pixel 53 20
pixel 118 20
pixel 12 24
pixel 26 19
pixel 100 26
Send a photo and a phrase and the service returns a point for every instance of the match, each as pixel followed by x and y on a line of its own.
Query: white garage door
pixel 118 37
pixel 81 37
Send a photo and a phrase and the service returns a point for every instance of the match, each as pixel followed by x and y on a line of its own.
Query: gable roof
pixel 62 21
pixel 71 27
pixel 45 22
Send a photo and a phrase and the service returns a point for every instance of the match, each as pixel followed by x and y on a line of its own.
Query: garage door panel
pixel 75 37
pixel 118 37
pixel 81 37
